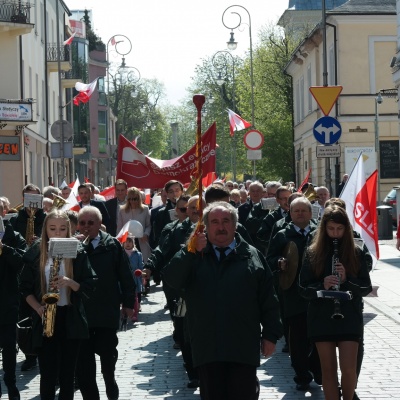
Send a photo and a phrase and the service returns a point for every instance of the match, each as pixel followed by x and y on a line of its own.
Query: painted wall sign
pixel 10 148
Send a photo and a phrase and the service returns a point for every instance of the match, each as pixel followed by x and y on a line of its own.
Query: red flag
pixel 71 185
pixel 140 170
pixel 86 179
pixel 305 181
pixel 147 194
pixel 360 197
pixel 85 91
pixel 69 40
pixel 108 193
pixel 209 179
pixel 236 122
pixel 123 233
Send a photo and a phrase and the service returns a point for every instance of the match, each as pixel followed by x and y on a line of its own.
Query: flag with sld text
pixel 142 171
pixel 360 197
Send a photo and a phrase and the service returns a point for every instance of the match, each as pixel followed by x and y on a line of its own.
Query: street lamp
pixel 220 62
pixel 232 45
pixel 378 100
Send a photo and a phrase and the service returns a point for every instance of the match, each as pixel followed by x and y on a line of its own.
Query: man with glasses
pixel 115 284
pixel 113 205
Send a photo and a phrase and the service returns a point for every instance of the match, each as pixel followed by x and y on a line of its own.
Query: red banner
pixel 145 172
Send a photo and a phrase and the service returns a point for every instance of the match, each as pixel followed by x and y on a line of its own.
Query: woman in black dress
pixel 350 273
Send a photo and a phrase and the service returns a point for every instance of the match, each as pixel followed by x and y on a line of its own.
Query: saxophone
pixel 30 225
pixel 335 260
pixel 50 299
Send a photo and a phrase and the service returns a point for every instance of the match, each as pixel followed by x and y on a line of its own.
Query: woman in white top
pixel 134 209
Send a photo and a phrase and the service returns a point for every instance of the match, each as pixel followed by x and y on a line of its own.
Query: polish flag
pixel 63 184
pixel 147 194
pixel 72 201
pixel 236 122
pixel 360 197
pixel 85 91
pixel 69 40
pixel 123 233
pixel 134 141
pixel 108 193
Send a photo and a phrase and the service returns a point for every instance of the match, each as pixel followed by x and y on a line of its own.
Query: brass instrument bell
pixel 310 194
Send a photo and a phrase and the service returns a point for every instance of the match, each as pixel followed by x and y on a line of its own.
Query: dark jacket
pixel 20 222
pixel 77 326
pixel 253 224
pixel 11 264
pixel 111 206
pixel 264 232
pixel 244 210
pixel 230 305
pixel 294 304
pixel 102 208
pixel 320 310
pixel 161 219
pixel 115 283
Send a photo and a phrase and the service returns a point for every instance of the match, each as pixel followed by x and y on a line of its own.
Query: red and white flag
pixel 72 201
pixel 123 233
pixel 236 122
pixel 147 194
pixel 69 40
pixel 85 91
pixel 360 197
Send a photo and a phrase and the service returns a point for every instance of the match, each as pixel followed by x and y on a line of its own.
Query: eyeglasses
pixel 83 223
pixel 133 198
pixel 182 209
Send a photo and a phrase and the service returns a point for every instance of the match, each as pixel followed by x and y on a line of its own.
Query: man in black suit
pixel 113 205
pixel 84 192
pixel 255 193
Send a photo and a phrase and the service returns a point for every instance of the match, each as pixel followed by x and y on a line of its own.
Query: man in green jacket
pixel 232 308
pixel 115 284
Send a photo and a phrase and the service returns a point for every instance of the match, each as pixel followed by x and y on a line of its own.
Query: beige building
pixel 361 39
pixel 32 61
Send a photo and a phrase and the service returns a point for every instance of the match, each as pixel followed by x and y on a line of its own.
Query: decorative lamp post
pixel 378 100
pixel 220 62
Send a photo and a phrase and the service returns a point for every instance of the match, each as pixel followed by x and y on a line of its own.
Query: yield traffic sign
pixel 326 96
pixel 327 130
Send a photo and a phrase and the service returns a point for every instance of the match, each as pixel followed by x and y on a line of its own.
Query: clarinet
pixel 335 260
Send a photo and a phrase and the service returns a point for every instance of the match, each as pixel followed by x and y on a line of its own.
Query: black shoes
pixel 193 384
pixel 29 363
pixel 303 387
pixel 112 390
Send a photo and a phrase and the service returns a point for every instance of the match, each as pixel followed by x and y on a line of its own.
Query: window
pixel 309 84
pixel 301 96
pixel 331 66
pixel 102 131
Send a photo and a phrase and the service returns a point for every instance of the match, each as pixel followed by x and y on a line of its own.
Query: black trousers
pixel 104 342
pixel 8 344
pixel 228 381
pixel 57 359
pixel 304 361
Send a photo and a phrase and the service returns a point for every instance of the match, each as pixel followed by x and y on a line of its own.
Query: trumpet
pixel 50 299
pixel 335 260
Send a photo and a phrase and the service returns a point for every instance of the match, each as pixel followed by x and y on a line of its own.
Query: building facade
pixel 361 37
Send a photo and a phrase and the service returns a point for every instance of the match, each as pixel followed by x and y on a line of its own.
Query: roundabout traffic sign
pixel 253 139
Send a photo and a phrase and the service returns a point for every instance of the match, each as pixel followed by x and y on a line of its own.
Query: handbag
pixel 25 337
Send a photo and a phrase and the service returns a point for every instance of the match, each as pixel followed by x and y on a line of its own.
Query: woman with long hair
pixel 57 353
pixel 344 270
pixel 134 209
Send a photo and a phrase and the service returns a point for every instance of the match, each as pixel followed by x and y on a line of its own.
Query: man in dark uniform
pixel 295 306
pixel 12 248
pixel 256 190
pixel 114 285
pixel 208 279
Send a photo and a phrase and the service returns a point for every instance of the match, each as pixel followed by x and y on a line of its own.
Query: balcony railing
pixel 71 74
pixel 52 53
pixel 80 140
pixel 15 12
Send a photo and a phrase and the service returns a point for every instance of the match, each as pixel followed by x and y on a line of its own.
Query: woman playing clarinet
pixel 334 277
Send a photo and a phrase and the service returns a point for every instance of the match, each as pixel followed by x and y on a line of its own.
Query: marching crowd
pixel 286 261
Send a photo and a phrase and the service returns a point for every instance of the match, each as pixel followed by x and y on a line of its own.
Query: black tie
pixel 222 254
pixel 303 231
pixel 90 247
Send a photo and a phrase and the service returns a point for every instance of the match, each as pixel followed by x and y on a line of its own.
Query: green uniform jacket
pixel 231 304
pixel 320 310
pixel 253 224
pixel 77 326
pixel 20 222
pixel 10 267
pixel 162 218
pixel 115 284
pixel 264 232
pixel 294 304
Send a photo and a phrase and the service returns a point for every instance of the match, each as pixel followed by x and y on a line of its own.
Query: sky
pixel 170 37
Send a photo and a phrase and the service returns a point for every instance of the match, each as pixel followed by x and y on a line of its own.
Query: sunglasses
pixel 133 199
pixel 182 209
pixel 83 223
